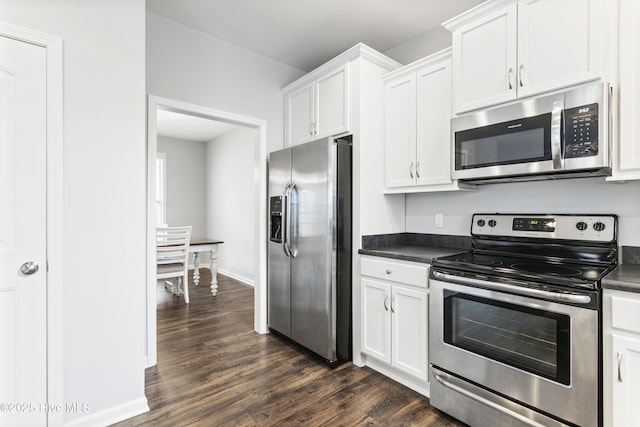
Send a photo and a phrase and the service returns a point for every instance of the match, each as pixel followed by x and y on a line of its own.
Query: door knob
pixel 29 267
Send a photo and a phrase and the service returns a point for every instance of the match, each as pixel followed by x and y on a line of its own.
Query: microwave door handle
pixel 556 135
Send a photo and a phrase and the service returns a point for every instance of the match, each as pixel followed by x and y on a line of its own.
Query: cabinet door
pixel 558 44
pixel 400 132
pixel 433 147
pixel 298 116
pixel 409 331
pixel 376 319
pixel 627 156
pixel 626 380
pixel 484 54
pixel 332 103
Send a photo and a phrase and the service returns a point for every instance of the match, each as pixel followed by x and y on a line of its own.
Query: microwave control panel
pixel 581 131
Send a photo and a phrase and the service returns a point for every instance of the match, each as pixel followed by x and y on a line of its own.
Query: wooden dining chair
pixel 172 258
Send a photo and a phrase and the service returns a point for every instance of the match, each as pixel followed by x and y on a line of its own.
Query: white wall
pixel 422 45
pixel 231 208
pixel 585 195
pixel 186 174
pixel 189 66
pixel 104 199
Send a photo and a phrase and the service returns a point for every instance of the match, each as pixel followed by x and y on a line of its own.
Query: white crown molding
pixel 360 50
pixel 420 63
pixel 473 13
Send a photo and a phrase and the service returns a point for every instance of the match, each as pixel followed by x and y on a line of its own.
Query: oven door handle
pixel 518 290
pixel 484 401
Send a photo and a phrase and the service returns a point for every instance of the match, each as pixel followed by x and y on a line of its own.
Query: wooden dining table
pixel 204 244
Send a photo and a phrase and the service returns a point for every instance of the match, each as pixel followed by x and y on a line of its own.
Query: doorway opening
pixel 158 105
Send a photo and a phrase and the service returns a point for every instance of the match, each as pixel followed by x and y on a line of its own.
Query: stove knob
pixel 581 226
pixel 492 223
pixel 599 226
pixel 480 223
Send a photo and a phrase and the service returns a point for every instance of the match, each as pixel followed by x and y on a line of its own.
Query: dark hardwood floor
pixel 214 370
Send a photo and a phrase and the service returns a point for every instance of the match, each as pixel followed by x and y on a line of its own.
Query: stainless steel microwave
pixel 565 134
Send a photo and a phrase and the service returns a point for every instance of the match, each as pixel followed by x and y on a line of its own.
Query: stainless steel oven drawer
pixel 478 407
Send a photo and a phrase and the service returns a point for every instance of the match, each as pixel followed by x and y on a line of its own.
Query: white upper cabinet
pixel 508 49
pixel 484 57
pixel 319 108
pixel 332 102
pixel 400 131
pixel 299 115
pixel 418 126
pixel 433 135
pixel 626 154
pixel 558 44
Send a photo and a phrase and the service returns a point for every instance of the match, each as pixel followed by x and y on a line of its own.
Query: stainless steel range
pixel 515 323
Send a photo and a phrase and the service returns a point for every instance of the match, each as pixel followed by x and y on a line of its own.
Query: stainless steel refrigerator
pixel 309 279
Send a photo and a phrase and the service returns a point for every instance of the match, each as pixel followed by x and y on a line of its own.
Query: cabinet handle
pixel 509 72
pixel 411 170
pixel 393 310
pixel 619 367
pixel 417 172
pixel 520 74
pixel 388 272
pixel 386 307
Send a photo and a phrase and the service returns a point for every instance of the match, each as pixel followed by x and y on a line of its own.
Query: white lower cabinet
pixel 394 314
pixel 621 326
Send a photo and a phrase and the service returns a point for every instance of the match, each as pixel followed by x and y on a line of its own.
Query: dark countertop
pixel 414 247
pixel 626 277
pixel 410 253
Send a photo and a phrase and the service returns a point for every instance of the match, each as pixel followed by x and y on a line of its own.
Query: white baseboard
pixel 237 277
pixel 112 415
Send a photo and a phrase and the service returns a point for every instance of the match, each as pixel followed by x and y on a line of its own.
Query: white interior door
pixel 23 292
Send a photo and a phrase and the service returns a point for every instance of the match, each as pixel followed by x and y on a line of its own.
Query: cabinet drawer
pixel 625 313
pixel 415 275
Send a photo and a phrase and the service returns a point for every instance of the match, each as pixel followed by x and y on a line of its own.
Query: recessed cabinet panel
pixel 627 158
pixel 621 384
pixel 626 381
pixel 433 139
pixel 409 319
pixel 332 103
pixel 299 115
pixel 400 132
pixel 558 44
pixel 376 319
pixel 485 55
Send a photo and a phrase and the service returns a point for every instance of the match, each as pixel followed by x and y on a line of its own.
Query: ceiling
pixel 303 34
pixel 189 128
pixel 306 33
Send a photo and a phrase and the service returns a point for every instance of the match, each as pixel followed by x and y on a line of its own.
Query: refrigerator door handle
pixel 287 228
pixel 285 214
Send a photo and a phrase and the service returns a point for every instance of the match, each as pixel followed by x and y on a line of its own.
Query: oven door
pixel 539 353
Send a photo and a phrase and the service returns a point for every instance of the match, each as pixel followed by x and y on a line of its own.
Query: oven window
pixel 535 341
pixel 518 141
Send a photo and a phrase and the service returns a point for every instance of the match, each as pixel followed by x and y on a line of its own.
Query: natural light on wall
pixel 161 188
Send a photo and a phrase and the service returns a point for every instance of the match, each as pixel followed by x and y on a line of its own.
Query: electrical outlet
pixel 439 222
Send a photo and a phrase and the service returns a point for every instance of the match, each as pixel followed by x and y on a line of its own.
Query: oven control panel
pixel 596 228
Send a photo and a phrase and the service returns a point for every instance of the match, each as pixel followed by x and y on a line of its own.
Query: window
pixel 161 188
